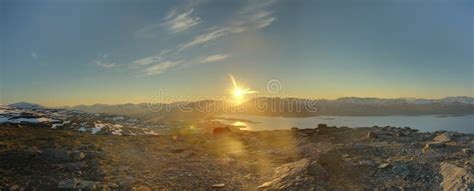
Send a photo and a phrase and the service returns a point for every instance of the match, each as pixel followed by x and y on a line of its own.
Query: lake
pixel 464 123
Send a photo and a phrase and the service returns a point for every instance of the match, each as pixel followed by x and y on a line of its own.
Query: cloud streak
pixel 148 60
pixel 178 20
pixel 211 35
pixel 252 16
pixel 214 58
pixel 161 67
pixel 105 64
pixel 181 22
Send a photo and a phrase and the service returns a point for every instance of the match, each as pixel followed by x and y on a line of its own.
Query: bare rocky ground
pixel 324 158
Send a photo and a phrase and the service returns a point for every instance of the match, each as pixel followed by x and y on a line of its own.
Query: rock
pixel 89 155
pixel 15 187
pixel 98 174
pixel 308 132
pixel 295 176
pixel 401 170
pixel 456 178
pixel 77 184
pixel 75 166
pixel 217 186
pixel 142 188
pixel 464 139
pixel 113 186
pixel 367 163
pixel 371 135
pixel 468 150
pixel 383 165
pixel 444 137
pixel 126 183
pixel 322 125
pixel 77 155
pixel 317 171
pixel 432 145
pixel 56 155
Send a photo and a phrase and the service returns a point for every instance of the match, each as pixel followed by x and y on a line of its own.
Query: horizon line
pixel 197 100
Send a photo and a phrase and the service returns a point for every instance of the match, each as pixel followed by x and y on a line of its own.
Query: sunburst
pixel 238 91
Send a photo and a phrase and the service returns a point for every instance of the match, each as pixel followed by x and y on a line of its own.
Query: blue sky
pixel 85 52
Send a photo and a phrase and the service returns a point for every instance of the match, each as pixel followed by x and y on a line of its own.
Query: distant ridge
pixel 26 105
pixel 276 106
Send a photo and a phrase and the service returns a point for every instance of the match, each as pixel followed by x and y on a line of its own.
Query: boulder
pixel 317 171
pixel 444 137
pixel 433 145
pixel 383 165
pixel 299 175
pixel 468 150
pixel 456 178
pixel 371 135
pixel 217 186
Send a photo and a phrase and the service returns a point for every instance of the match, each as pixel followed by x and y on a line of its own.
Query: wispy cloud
pixel 161 67
pixel 103 62
pixel 34 55
pixel 212 34
pixel 179 19
pixel 255 15
pixel 178 22
pixel 252 16
pixel 214 58
pixel 148 60
pixel 262 19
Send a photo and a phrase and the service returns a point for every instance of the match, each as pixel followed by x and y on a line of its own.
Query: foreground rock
pixel 325 158
pixel 299 175
pixel 456 178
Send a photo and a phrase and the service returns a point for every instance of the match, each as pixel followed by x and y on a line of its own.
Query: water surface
pixel 464 123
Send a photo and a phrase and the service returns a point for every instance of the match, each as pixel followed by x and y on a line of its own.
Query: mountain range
pixel 290 107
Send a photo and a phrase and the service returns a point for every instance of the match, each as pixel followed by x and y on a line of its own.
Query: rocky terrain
pixel 323 158
pixel 95 123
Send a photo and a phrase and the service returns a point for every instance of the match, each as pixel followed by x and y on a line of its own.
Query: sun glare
pixel 238 92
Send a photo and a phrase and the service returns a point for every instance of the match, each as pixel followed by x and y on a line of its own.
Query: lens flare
pixel 238 92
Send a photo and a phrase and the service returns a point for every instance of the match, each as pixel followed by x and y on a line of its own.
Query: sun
pixel 238 92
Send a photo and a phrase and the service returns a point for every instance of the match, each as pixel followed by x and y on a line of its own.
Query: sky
pixel 75 52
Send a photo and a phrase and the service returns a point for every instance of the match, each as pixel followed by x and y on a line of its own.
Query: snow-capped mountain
pixel 459 99
pixel 35 115
pixel 418 101
pixel 26 105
